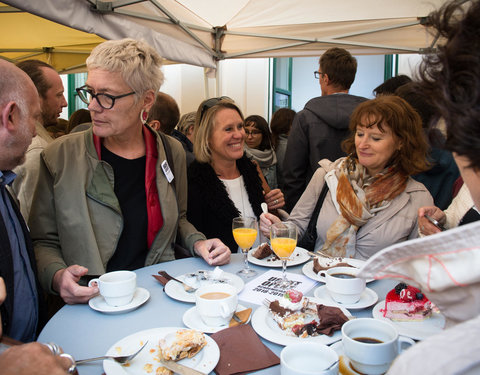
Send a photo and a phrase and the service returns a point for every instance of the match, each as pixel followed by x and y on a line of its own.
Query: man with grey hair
pixel 50 89
pixel 318 130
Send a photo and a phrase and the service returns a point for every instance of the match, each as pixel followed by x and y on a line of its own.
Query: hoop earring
pixel 143 116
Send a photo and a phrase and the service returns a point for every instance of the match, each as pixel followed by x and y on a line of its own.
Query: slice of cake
pixel 263 251
pixel 289 311
pixel 184 343
pixel 405 303
pixel 321 263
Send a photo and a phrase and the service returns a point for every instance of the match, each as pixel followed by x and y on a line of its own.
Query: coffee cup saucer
pixel 140 296
pixel 344 367
pixel 367 299
pixel 192 320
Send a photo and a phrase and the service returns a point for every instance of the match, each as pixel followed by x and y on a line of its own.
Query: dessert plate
pixel 140 296
pixel 192 320
pixel 414 330
pixel 299 256
pixel 308 271
pixel 147 360
pixel 368 298
pixel 344 367
pixel 175 290
pixel 265 326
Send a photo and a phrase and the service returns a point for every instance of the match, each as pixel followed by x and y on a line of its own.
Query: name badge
pixel 167 171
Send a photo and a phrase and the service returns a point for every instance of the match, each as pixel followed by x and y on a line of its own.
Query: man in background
pixel 50 89
pixel 318 130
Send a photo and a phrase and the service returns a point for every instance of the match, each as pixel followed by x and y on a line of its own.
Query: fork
pixel 187 287
pixel 266 302
pixel 120 359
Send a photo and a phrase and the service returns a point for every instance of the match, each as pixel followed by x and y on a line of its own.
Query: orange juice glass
pixel 283 238
pixel 245 232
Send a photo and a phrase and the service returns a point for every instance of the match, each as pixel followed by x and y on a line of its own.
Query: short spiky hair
pixel 138 63
pixel 340 66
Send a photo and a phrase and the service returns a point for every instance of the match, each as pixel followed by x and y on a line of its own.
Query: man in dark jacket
pixel 22 310
pixel 318 130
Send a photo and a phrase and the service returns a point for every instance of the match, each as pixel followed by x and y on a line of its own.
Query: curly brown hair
pixel 395 113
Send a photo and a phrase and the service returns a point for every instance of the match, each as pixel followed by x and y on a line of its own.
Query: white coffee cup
pixel 379 344
pixel 216 304
pixel 343 285
pixel 117 287
pixel 308 358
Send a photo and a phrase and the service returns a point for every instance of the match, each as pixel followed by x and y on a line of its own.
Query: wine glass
pixel 283 238
pixel 245 232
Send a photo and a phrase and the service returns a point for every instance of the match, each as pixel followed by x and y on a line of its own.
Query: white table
pixel 84 333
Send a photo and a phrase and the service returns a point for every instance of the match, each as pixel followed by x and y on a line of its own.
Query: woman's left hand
pixel 274 199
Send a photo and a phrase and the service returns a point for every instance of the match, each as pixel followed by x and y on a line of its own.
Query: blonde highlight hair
pixel 204 126
pixel 137 62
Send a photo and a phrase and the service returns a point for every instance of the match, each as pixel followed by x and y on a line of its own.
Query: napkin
pixel 162 280
pixel 243 315
pixel 236 345
pixel 331 319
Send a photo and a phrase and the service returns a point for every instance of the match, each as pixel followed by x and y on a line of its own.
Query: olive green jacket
pixel 76 217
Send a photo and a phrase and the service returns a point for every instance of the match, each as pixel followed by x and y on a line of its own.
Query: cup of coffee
pixel 216 304
pixel 308 358
pixel 117 287
pixel 371 345
pixel 343 285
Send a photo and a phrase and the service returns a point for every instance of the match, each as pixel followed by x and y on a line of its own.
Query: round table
pixel 84 332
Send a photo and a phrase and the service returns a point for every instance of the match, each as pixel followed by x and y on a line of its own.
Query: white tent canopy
pixel 201 32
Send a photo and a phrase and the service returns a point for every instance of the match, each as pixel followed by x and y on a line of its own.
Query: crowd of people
pixel 134 183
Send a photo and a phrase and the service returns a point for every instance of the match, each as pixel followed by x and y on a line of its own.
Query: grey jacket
pixel 316 134
pixel 394 224
pixel 76 217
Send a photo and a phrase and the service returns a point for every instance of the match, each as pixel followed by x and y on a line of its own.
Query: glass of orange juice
pixel 245 232
pixel 283 238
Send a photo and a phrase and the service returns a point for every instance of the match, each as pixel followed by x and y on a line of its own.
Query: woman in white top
pixel 222 182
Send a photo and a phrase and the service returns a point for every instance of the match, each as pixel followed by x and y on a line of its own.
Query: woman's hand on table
pixel 425 227
pixel 266 221
pixel 214 251
pixel 65 283
pixel 274 199
pixel 33 358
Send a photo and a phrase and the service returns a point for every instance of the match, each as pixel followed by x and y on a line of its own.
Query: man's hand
pixel 65 283
pixel 214 251
pixel 33 358
pixel 266 221
pixel 424 225
pixel 274 199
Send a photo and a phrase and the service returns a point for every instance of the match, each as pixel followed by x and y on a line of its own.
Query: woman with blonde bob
pixel 222 182
pixel 372 201
pixel 105 200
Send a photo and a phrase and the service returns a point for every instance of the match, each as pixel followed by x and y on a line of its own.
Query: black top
pixel 129 187
pixel 471 216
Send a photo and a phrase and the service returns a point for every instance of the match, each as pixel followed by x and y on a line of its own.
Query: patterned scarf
pixel 359 197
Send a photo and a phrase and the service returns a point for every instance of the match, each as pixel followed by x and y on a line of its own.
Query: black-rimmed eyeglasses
pixel 209 104
pixel 318 74
pixel 106 101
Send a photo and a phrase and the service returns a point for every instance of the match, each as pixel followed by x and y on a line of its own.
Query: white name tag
pixel 167 171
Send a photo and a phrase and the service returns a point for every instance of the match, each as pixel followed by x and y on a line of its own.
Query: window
pixel 282 83
pixel 74 102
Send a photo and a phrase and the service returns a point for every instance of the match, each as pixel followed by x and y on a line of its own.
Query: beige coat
pixel 76 217
pixel 394 224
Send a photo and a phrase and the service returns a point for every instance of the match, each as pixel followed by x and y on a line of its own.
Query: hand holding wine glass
pixel 283 238
pixel 245 232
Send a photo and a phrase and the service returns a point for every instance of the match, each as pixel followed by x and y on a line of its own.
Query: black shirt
pixel 129 187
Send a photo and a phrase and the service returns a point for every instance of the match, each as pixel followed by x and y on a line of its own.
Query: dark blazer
pixel 209 207
pixel 6 271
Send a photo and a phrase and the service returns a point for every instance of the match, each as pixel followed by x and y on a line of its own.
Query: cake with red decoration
pixel 405 303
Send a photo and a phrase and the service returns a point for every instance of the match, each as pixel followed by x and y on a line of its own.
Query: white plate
pixel 344 360
pixel 368 298
pixel 414 330
pixel 299 256
pixel 175 290
pixel 192 320
pixel 265 326
pixel 205 361
pixel 308 271
pixel 139 298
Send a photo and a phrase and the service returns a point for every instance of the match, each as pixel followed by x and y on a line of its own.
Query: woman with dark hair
pixel 258 147
pixel 372 201
pixel 280 125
